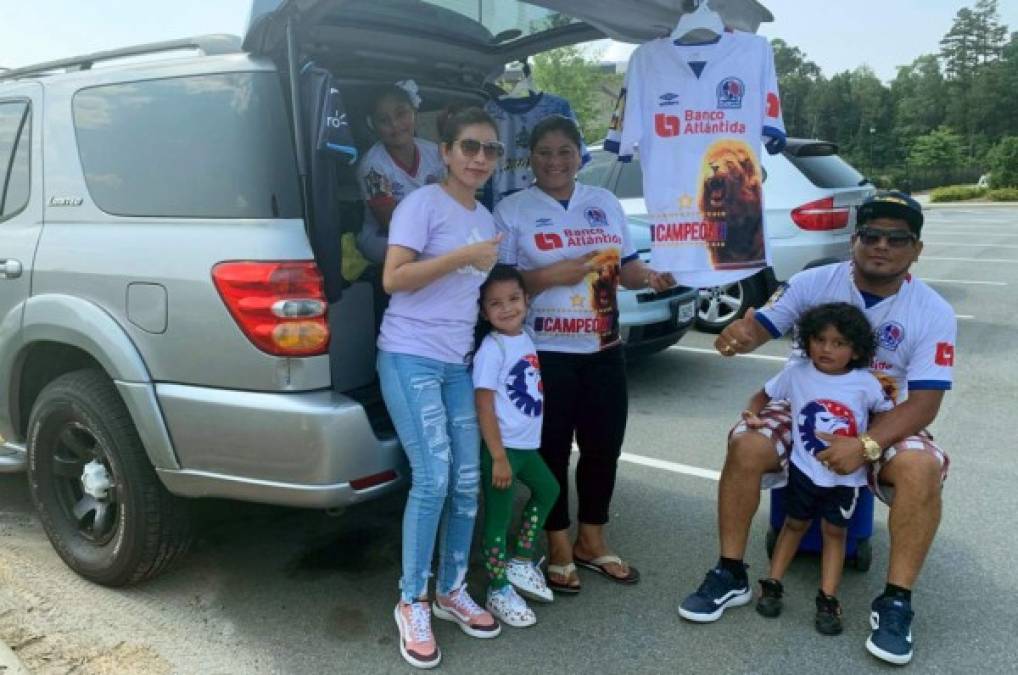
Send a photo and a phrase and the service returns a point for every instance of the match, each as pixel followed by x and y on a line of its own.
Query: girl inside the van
pixel 510 406
pixel 395 166
pixel 442 244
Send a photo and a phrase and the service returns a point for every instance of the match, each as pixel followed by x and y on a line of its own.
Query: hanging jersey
pixel 508 365
pixel 384 182
pixel 539 231
pixel 915 328
pixel 699 140
pixel 515 118
pixel 834 404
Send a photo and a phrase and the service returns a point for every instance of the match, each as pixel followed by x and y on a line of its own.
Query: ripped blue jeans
pixel 432 406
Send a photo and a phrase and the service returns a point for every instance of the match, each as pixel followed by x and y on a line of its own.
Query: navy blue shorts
pixel 804 500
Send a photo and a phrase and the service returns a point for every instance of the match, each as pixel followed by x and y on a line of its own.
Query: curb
pixel 10 664
pixel 966 205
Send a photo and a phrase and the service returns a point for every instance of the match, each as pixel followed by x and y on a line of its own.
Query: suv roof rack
pixel 209 45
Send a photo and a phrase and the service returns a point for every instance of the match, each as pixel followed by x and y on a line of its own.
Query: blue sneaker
pixel 891 639
pixel 718 591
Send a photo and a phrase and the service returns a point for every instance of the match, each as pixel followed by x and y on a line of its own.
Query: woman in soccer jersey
pixel 572 245
pixel 395 166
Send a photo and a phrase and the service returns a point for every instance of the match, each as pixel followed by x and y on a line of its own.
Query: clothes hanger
pixel 701 25
pixel 525 87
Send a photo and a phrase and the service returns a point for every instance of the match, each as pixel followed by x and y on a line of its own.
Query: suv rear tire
pixel 102 505
pixel 721 305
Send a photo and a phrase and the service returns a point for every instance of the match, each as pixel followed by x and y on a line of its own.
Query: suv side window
pixel 206 146
pixel 630 181
pixel 15 145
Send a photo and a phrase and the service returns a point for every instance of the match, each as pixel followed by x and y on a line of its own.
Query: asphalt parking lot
pixel 271 590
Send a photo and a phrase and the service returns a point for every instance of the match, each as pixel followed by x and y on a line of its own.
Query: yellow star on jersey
pixel 578 300
pixel 685 201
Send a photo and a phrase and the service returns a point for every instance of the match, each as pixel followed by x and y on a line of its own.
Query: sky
pixel 836 35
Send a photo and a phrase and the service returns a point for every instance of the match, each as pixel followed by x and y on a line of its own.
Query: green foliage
pixel 1004 163
pixel 589 89
pixel 939 150
pixel 1007 194
pixel 956 193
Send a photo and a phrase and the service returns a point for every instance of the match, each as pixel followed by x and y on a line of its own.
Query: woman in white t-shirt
pixel 571 243
pixel 395 166
pixel 442 243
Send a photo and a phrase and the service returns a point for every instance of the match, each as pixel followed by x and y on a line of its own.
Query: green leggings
pixel 529 469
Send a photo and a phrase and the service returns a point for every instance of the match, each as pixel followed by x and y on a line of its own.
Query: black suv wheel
pixel 99 499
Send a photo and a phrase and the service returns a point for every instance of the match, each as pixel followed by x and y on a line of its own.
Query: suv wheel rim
pixel 84 483
pixel 720 303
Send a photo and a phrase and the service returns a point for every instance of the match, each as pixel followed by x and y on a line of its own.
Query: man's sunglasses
pixel 492 149
pixel 870 236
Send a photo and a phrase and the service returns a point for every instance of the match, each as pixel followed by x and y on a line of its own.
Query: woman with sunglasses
pixel 395 166
pixel 571 243
pixel 442 243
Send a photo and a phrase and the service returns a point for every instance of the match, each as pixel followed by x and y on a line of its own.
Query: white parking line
pixel 674 467
pixel 959 244
pixel 981 260
pixel 701 350
pixel 964 316
pixel 964 282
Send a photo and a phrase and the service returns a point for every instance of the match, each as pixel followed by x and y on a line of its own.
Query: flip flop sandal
pixel 564 571
pixel 598 565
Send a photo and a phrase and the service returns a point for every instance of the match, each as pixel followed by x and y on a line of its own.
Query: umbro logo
pixel 668 99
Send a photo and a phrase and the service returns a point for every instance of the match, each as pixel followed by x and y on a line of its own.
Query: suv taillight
pixel 821 215
pixel 280 306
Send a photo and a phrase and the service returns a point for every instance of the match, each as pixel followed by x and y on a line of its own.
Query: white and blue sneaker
pixel 718 591
pixel 891 639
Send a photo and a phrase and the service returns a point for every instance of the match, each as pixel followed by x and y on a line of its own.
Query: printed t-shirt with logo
pixel 507 365
pixel 384 182
pixel 833 404
pixel 515 118
pixel 915 327
pixel 436 321
pixel 699 143
pixel 540 231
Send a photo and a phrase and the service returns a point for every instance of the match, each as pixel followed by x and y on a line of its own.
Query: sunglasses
pixel 870 236
pixel 492 149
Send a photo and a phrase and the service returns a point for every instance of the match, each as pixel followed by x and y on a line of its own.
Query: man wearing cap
pixel 915 330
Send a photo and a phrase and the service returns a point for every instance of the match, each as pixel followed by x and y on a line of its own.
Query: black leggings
pixel 585 395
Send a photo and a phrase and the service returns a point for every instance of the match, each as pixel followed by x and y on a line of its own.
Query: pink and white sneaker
pixel 416 640
pixel 461 609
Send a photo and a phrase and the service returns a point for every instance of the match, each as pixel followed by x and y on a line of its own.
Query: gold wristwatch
pixel 871 450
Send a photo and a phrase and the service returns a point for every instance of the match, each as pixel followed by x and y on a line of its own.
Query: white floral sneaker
pixel 526 576
pixel 416 641
pixel 461 609
pixel 506 604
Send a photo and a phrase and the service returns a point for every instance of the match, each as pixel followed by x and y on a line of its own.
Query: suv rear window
pixel 208 146
pixel 824 168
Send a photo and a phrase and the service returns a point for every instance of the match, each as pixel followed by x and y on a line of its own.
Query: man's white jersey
pixel 385 182
pixel 698 129
pixel 515 119
pixel 915 328
pixel 540 231
pixel 830 404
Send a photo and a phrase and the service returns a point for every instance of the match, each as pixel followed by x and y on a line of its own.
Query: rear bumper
pixel 291 449
pixel 652 321
pixel 789 256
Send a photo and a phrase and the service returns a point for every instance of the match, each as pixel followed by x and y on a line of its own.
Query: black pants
pixel 584 395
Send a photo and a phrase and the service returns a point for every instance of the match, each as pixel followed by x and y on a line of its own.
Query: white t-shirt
pixel 436 321
pixel 699 142
pixel 915 327
pixel 515 119
pixel 507 365
pixel 835 404
pixel 385 182
pixel 540 231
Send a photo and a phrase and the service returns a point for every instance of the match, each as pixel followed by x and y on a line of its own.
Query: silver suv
pixel 173 322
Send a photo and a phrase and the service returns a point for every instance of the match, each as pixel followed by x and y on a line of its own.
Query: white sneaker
pixel 509 607
pixel 528 580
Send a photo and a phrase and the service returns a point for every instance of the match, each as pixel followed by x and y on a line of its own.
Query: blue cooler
pixel 860 529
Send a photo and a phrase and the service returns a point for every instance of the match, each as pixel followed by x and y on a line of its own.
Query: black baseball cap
pixel 891 204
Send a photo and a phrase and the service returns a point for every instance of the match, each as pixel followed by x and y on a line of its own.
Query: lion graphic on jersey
pixel 524 386
pixel 730 199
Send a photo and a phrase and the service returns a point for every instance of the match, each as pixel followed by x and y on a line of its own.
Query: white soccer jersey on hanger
pixel 699 141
